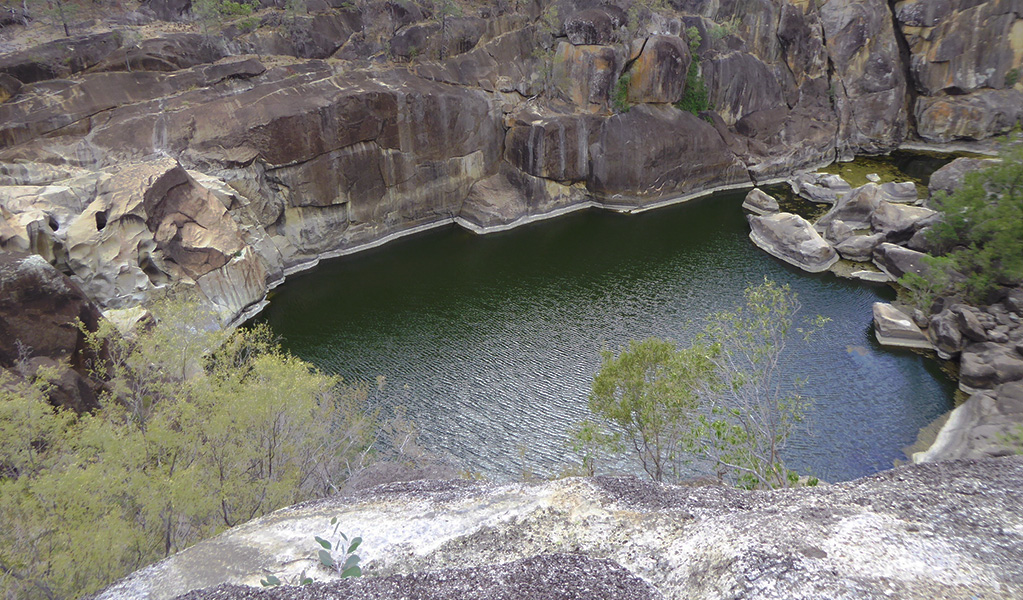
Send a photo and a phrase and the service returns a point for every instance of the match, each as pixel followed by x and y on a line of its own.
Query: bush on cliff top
pixel 980 234
pixel 169 460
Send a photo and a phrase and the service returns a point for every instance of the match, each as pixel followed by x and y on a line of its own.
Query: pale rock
pixel 792 239
pixel 892 327
pixel 759 202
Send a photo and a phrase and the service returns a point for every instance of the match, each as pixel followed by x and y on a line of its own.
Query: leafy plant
pixel 339 555
pixel 1011 77
pixel 694 96
pixel 200 430
pixel 719 400
pixel 721 30
pixel 980 234
pixel 620 95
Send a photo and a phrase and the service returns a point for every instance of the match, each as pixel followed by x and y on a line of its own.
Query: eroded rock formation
pixel 177 159
pixel 947 530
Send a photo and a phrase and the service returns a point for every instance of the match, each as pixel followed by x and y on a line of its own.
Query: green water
pixel 491 342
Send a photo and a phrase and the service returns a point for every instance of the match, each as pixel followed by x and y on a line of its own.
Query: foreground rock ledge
pixel 938 530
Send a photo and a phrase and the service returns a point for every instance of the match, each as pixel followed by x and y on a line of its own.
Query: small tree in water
pixel 721 399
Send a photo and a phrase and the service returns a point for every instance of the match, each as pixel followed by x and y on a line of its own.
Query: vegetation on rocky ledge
pixel 183 448
pixel 977 245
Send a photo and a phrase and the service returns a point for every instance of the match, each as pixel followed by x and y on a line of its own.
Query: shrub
pixel 184 447
pixel 620 96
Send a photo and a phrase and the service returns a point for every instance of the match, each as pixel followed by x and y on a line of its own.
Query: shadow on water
pixel 491 342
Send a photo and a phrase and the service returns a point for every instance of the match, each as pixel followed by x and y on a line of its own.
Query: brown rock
pixel 658 74
pixel 870 93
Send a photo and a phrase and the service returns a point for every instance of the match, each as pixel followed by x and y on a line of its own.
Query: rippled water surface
pixel 491 342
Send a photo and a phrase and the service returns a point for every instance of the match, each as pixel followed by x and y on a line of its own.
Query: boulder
pixel 9 86
pixel 823 188
pixel 969 323
pixel 60 58
pixel 168 52
pixel 758 202
pixel 854 208
pixel 837 232
pixel 512 197
pixel 987 364
pixel 859 248
pixel 168 10
pixel 945 335
pixel 556 147
pixel 896 261
pixel 636 163
pixel 899 192
pixel 978 427
pixel 892 327
pixel 39 312
pixel 792 239
pixel 593 26
pixel 979 115
pixel 960 46
pixel 585 75
pixel 949 178
pixel 739 84
pixel 659 69
pixel 898 222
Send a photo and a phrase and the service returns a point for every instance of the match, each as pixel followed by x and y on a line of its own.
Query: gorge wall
pixel 219 163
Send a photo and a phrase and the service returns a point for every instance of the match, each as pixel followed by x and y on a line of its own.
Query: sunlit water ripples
pixel 491 342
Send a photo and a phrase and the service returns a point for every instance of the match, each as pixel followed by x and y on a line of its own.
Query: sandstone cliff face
pixel 178 160
pixel 947 530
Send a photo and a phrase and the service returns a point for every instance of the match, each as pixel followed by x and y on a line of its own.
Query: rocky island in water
pixel 209 149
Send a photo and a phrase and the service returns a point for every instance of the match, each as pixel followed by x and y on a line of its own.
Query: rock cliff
pixel 945 530
pixel 140 155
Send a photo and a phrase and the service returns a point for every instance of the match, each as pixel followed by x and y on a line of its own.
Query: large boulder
pixel 945 335
pixel 512 197
pixel 960 46
pixel 854 207
pixel 658 72
pixel 659 152
pixel 585 75
pixel 898 222
pixel 593 26
pixel 759 202
pixel 556 147
pixel 40 312
pixel 978 427
pixel 949 178
pixel 987 364
pixel 823 188
pixel 859 248
pixel 896 261
pixel 979 115
pixel 792 239
pixel 892 327
pixel 684 542
pixel 60 58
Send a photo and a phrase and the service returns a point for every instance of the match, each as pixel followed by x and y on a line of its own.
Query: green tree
pixel 981 229
pixel 648 392
pixel 722 400
pixel 694 96
pixel 200 430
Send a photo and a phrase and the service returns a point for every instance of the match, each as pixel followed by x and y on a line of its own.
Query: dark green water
pixel 491 342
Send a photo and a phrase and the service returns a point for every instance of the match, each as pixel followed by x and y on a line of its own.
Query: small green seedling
pixel 340 555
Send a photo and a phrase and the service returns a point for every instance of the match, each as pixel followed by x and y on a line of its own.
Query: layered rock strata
pixel 498 118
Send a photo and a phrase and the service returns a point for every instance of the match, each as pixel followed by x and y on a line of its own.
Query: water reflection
pixel 491 342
